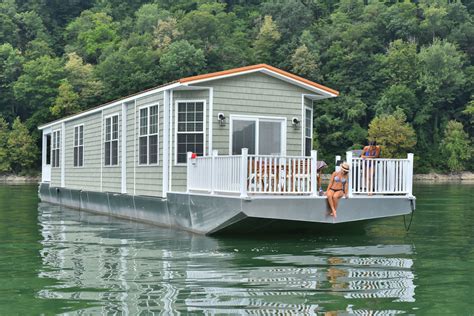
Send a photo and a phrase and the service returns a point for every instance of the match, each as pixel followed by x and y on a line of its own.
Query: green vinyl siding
pixel 112 175
pixel 178 173
pixel 56 172
pixel 143 180
pixel 257 94
pixel 85 177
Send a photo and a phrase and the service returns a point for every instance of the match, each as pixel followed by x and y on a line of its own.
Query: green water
pixel 54 260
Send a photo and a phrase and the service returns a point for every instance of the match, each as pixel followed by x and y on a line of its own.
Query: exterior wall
pixel 178 172
pixel 257 94
pixel 85 177
pixel 56 171
pixel 253 94
pixel 94 176
pixel 143 180
pixel 111 175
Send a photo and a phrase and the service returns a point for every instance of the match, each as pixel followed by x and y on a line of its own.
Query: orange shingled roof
pixel 254 67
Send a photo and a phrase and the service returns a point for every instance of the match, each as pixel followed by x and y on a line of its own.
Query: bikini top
pixel 369 153
pixel 337 179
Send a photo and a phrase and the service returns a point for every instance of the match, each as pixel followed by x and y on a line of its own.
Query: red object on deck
pixel 193 155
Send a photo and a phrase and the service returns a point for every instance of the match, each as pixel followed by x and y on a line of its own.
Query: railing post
pixel 188 171
pixel 336 168
pixel 213 170
pixel 243 172
pixel 314 172
pixel 351 172
pixel 410 174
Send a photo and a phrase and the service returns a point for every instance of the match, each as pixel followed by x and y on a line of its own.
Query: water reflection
pixel 120 267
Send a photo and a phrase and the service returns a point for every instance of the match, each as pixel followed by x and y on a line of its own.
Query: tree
pixel 165 32
pixel 22 147
pixel 456 146
pixel 399 64
pixel 305 63
pixel 393 134
pixel 266 41
pixel 397 97
pixel 8 27
pixel 148 16
pixel 67 101
pixel 4 156
pixel 91 34
pixel 182 59
pixel 37 87
pixel 441 80
pixel 131 68
pixel 11 64
pixel 83 80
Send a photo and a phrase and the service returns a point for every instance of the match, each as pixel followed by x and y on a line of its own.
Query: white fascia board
pixel 322 93
pixel 99 109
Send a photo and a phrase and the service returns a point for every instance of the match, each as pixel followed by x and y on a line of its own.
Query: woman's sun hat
pixel 345 167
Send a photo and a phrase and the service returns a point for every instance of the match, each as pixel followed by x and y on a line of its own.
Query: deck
pixel 257 175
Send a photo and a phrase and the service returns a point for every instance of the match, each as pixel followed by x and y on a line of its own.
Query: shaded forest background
pixel 405 66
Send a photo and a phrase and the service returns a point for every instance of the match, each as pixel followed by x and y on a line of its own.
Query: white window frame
pixel 306 108
pixel 104 127
pixel 54 140
pixel 176 163
pixel 257 119
pixel 147 135
pixel 78 146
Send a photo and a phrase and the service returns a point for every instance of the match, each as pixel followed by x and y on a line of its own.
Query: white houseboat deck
pixel 253 175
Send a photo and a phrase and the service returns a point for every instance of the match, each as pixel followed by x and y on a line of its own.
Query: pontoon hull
pixel 211 214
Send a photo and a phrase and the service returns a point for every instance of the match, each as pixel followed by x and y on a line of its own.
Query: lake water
pixel 55 260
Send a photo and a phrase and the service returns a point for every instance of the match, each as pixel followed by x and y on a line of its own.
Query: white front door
pixel 46 159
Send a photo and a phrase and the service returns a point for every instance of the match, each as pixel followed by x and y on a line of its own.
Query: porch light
pixel 221 119
pixel 295 122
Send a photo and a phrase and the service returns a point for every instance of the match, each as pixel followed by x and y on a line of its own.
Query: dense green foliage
pixel 18 150
pixel 456 146
pixel 60 57
pixel 393 134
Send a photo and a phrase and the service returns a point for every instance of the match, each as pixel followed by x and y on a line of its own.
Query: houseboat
pixel 229 151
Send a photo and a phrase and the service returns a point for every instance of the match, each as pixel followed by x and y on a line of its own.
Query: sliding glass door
pixel 262 136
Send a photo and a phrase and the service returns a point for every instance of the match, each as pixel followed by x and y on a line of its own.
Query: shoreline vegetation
pixel 465 177
pixel 404 69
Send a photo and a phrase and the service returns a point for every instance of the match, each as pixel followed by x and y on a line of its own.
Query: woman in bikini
pixel 370 152
pixel 338 187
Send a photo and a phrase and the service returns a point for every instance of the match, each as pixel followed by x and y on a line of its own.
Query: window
pixel 261 136
pixel 55 148
pixel 308 131
pixel 190 134
pixel 48 149
pixel 111 141
pixel 148 138
pixel 78 146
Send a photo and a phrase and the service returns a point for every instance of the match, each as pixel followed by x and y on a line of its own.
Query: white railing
pixel 380 175
pixel 287 175
pixel 253 174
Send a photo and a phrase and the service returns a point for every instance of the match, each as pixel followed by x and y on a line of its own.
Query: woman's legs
pixel 336 197
pixel 330 194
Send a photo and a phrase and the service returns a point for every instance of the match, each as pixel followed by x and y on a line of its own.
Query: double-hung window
pixel 111 141
pixel 56 144
pixel 190 133
pixel 148 139
pixel 78 146
pixel 308 131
